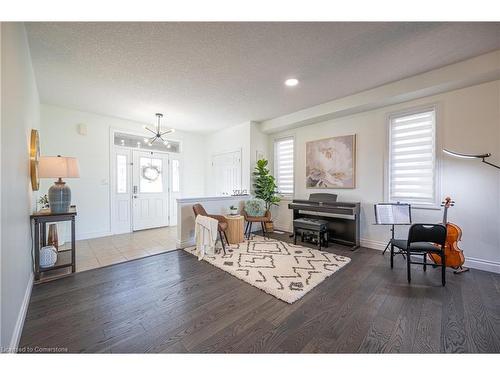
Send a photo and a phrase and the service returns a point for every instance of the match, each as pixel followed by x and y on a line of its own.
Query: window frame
pixel 435 107
pixel 286 196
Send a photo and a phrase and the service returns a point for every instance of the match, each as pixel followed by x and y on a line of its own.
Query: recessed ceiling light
pixel 292 82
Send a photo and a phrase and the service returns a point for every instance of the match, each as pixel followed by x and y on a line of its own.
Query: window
pixel 412 158
pixel 176 184
pixel 283 165
pixel 136 141
pixel 150 178
pixel 121 174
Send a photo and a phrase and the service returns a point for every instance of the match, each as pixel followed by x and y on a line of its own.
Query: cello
pixel 454 256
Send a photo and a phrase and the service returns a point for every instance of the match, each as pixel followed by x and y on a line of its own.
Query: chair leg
pixel 222 242
pixel 443 269
pixel 246 227
pixel 263 229
pixel 392 256
pixel 294 237
pixel 225 236
pixel 408 265
pixel 249 230
pixel 319 241
pixel 425 262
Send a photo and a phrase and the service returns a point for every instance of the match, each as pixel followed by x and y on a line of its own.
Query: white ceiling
pixel 207 76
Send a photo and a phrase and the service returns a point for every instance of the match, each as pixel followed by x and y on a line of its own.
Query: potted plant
pixel 265 188
pixel 233 210
pixel 43 201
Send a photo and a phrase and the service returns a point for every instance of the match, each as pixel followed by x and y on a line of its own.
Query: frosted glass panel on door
pixel 121 174
pixel 151 180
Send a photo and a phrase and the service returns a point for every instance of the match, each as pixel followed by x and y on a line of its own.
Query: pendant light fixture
pixel 158 132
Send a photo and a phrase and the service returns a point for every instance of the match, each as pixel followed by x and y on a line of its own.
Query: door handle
pixel 134 190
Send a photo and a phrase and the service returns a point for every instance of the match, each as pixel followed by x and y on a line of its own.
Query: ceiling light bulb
pixel 292 82
pixel 172 130
pixel 146 140
pixel 168 145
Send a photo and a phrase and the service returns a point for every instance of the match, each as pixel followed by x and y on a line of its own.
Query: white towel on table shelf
pixel 205 232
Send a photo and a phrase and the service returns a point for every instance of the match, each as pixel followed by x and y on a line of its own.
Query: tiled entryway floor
pixel 103 251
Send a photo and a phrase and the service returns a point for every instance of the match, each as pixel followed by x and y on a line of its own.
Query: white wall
pixel 20 114
pixel 468 121
pixel 91 191
pixel 230 139
pixel 258 144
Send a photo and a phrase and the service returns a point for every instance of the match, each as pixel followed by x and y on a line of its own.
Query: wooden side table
pixel 234 229
pixel 65 257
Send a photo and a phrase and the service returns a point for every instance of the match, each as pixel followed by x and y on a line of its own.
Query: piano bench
pixel 319 228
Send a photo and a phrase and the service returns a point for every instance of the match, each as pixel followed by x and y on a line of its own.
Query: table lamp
pixel 59 167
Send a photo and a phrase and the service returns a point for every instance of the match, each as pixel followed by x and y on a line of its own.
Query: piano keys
pixel 343 217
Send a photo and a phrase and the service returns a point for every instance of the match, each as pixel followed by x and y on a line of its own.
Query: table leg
pixel 36 249
pixel 73 245
pixel 43 235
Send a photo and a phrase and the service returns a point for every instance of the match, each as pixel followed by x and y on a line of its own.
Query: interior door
pixel 227 172
pixel 150 190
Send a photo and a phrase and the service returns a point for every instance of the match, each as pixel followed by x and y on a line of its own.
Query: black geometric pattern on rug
pixel 281 269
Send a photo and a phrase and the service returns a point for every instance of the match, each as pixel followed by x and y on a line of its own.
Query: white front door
pixel 150 190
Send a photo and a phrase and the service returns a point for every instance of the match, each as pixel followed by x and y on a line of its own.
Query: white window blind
pixel 412 158
pixel 283 165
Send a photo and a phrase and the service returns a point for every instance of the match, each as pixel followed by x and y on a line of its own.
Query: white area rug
pixel 284 270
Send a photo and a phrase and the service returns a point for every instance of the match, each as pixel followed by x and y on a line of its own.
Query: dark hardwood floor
pixel 173 303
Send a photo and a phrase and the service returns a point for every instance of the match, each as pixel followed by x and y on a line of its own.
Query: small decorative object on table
pixel 43 201
pixel 52 237
pixel 233 210
pixel 48 256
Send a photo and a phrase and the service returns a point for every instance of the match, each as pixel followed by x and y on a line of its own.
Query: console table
pixel 65 258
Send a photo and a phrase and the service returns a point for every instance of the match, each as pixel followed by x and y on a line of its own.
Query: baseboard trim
pixel 88 236
pixel 483 265
pixel 184 243
pixel 372 244
pixel 18 329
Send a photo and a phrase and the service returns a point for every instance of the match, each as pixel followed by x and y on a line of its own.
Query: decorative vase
pixel 48 256
pixel 59 197
pixel 233 211
pixel 52 238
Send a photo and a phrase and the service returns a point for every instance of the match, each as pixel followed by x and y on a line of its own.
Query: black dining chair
pixel 424 239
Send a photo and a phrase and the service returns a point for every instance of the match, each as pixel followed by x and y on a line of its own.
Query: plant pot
pixel 269 226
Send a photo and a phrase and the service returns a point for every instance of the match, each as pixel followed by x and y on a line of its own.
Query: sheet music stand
pixel 392 214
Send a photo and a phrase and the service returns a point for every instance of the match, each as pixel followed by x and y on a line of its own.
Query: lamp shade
pixel 58 167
